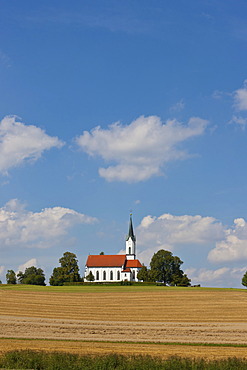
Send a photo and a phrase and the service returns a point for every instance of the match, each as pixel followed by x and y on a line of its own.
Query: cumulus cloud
pixel 227 244
pixel 140 149
pixel 224 276
pixel 29 263
pixel 19 227
pixel 234 246
pixel 169 230
pixel 239 120
pixel 20 143
pixel 240 98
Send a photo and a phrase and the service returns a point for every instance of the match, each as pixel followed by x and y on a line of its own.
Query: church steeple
pixel 131 230
pixel 131 242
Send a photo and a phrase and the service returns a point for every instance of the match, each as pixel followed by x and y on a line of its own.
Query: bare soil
pixel 42 328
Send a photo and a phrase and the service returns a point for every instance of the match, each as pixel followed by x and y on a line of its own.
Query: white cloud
pixel 174 230
pixel 234 246
pixel 224 276
pixel 240 98
pixel 18 227
pixel 140 149
pixel 168 232
pixel 228 244
pixel 2 268
pixel 29 263
pixel 239 120
pixel 20 143
pixel 205 276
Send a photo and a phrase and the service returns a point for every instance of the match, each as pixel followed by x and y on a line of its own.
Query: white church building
pixel 116 268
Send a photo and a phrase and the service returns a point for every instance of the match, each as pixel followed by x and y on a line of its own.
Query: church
pixel 116 268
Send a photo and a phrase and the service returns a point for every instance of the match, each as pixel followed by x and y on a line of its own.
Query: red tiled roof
pixel 126 270
pixel 116 260
pixel 133 263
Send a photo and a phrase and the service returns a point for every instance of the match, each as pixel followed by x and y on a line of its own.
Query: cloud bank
pixel 234 246
pixel 224 276
pixel 20 143
pixel 22 228
pixel 140 149
pixel 227 244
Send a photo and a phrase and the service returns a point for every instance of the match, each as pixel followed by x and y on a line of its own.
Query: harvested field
pixel 104 348
pixel 131 314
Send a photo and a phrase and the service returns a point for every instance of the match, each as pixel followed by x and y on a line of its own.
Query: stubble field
pixel 197 322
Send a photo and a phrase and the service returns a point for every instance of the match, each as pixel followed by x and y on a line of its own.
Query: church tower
pixel 130 242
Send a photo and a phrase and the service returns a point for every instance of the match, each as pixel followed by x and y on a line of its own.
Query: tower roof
pixel 131 230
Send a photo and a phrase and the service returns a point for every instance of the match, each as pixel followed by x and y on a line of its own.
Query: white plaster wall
pixel 123 275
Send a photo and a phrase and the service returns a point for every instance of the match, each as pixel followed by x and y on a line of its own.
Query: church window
pixel 134 275
pixel 111 275
pixel 129 250
pixel 97 275
pixel 104 275
pixel 118 275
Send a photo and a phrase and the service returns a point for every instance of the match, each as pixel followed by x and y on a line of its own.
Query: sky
pixel 111 107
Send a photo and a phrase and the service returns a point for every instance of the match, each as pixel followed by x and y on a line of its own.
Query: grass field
pixel 152 320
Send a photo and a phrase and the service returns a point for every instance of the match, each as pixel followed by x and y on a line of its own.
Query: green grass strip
pixel 196 344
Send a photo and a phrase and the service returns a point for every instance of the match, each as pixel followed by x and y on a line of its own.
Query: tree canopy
pixel 144 274
pixel 11 277
pixel 164 267
pixel 244 279
pixel 32 275
pixel 90 276
pixel 67 272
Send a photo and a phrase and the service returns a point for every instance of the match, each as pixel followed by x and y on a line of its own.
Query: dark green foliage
pixel 144 274
pixel 244 280
pixel 126 282
pixel 166 268
pixel 102 253
pixel 90 276
pixel 66 361
pixel 11 277
pixel 32 275
pixel 67 272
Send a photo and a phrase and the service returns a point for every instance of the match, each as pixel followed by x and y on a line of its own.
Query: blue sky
pixel 118 105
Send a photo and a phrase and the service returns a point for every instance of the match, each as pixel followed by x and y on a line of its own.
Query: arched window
pixel 104 275
pixel 134 275
pixel 97 275
pixel 118 275
pixel 111 275
pixel 129 250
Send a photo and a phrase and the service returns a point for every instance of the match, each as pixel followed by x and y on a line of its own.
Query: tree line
pixel 67 272
pixel 164 268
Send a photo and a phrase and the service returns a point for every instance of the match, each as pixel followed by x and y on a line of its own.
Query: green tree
pixel 166 268
pixel 102 253
pixel 144 274
pixel 67 272
pixel 90 276
pixel 11 277
pixel 244 279
pixel 32 275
